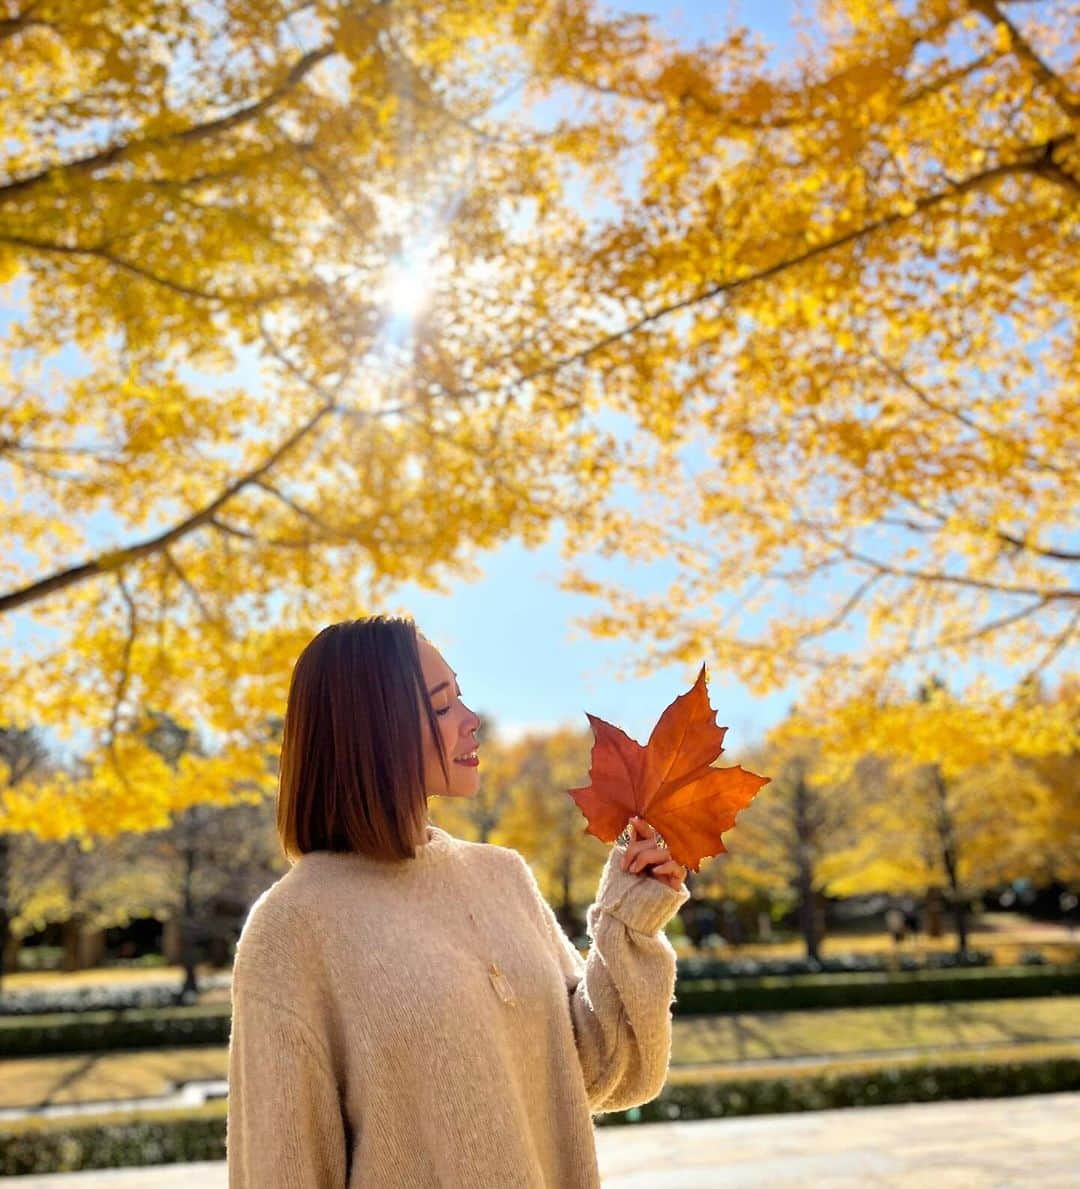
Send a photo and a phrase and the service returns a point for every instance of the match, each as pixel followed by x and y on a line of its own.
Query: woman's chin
pixel 467 787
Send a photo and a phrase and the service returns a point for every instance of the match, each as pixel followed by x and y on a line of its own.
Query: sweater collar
pixel 439 846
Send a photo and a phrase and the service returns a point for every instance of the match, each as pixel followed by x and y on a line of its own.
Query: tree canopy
pixel 207 216
pixel 834 301
pixel 849 284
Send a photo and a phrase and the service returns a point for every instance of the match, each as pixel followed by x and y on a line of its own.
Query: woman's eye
pixel 445 710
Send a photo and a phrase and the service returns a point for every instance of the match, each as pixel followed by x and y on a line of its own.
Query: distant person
pixel 406 1008
pixel 896 924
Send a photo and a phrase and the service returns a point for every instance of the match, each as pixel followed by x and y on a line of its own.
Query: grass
pixel 689 1075
pixel 852 1037
pixel 95 1077
pixel 930 1026
pixel 1007 946
pixel 98 976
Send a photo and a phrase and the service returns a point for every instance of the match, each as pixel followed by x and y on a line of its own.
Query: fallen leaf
pixel 670 782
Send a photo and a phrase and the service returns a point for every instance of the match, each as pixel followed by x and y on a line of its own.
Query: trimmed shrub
pixel 101 997
pixel 96 1032
pixel 119 1140
pixel 816 1090
pixel 208 1023
pixel 718 996
pixel 698 967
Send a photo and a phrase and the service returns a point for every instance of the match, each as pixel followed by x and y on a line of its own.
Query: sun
pixel 407 285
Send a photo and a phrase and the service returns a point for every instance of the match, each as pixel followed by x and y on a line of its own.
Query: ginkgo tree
pixel 783 848
pixel 835 299
pixel 850 282
pixel 958 807
pixel 282 286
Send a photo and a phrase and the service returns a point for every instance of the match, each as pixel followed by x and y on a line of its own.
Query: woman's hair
pixel 351 776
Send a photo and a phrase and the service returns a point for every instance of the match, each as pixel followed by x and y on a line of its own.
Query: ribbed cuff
pixel 643 903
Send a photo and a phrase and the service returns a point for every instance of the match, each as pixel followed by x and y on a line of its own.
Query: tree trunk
pixel 10 960
pixel 5 913
pixel 805 871
pixel 932 912
pixel 951 862
pixel 73 951
pixel 190 989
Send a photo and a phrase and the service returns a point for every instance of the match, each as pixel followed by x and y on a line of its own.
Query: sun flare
pixel 406 287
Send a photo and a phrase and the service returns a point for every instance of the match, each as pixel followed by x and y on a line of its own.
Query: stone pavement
pixel 1002 1143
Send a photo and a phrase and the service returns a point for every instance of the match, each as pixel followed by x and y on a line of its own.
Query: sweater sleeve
pixel 285 1128
pixel 620 996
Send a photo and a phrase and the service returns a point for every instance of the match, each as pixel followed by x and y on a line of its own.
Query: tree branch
pixel 958 579
pixel 124 674
pixel 189 586
pixel 119 559
pixel 965 419
pixel 1027 54
pixel 1036 159
pixel 11 26
pixel 198 132
pixel 252 300
pixel 1056 645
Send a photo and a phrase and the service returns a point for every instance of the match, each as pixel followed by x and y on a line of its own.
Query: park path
pixel 1007 1143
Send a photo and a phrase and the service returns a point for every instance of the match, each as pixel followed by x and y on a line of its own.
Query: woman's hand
pixel 644 856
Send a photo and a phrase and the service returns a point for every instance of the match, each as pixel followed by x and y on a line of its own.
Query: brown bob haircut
pixel 351 776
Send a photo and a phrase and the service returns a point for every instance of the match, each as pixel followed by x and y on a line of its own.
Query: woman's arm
pixel 620 996
pixel 285 1126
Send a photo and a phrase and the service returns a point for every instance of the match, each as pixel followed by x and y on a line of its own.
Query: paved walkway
pixel 994 1144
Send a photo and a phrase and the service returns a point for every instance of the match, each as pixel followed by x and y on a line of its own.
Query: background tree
pixel 205 849
pixel 214 861
pixel 953 816
pixel 22 754
pixel 782 841
pixel 1054 821
pixel 546 824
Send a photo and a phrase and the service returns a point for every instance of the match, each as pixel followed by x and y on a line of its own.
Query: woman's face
pixel 457 725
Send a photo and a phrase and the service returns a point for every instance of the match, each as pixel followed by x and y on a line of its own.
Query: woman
pixel 407 1011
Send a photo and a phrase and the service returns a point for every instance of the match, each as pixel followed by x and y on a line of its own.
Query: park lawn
pixel 842 1035
pixel 1008 949
pixel 96 1077
pixel 932 1026
pixel 98 976
pixel 869 1064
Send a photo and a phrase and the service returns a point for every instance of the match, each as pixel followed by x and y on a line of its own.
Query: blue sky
pixel 510 636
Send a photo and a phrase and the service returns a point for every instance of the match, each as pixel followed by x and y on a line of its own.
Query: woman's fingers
pixel 642 852
pixel 636 860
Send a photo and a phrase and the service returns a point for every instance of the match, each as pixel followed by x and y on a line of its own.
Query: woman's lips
pixel 470 761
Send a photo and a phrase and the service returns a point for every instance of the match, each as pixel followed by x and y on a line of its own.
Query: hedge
pixel 96 1032
pixel 719 996
pixel 122 1139
pixel 163 1137
pixel 834 1089
pixel 208 1023
pixel 99 997
pixel 697 966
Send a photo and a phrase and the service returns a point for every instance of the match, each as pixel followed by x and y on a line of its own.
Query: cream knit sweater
pixel 371 1048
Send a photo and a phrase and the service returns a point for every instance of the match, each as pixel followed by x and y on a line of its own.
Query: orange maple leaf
pixel 670 782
